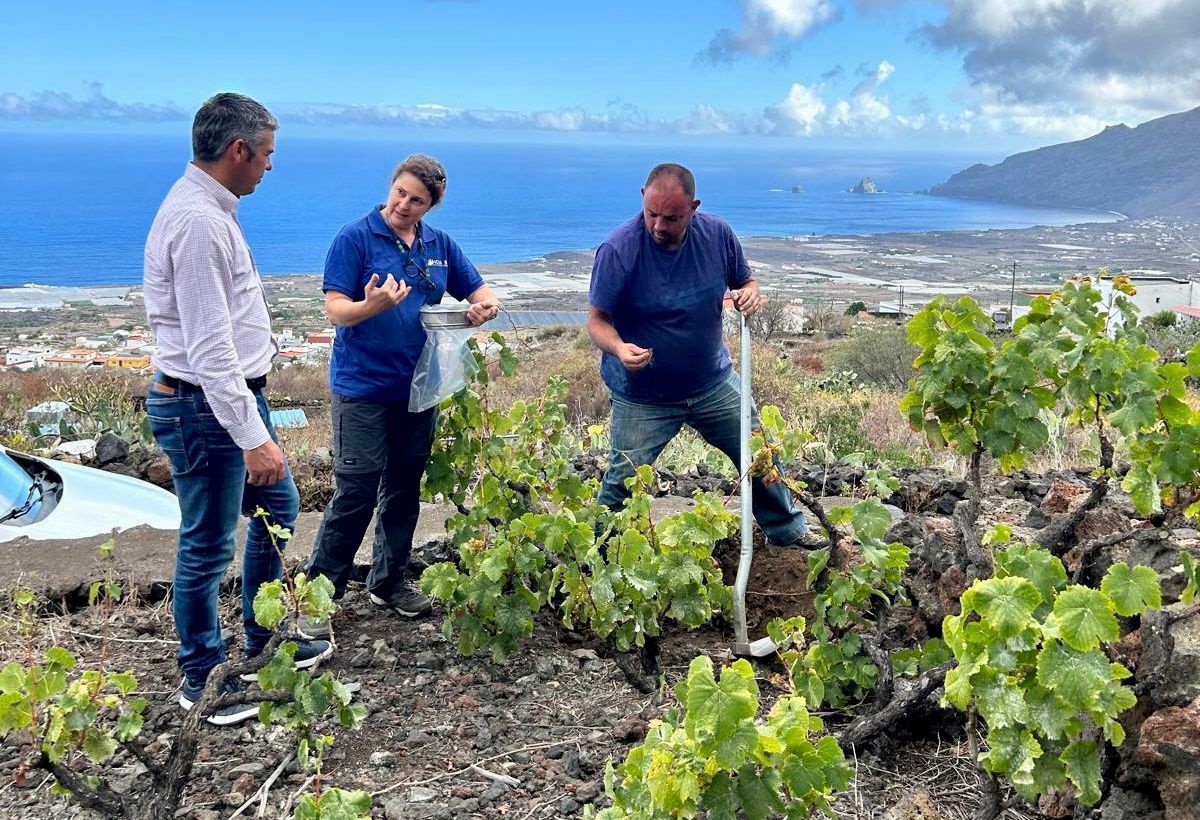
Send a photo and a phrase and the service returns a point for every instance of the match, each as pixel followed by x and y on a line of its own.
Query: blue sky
pixel 988 74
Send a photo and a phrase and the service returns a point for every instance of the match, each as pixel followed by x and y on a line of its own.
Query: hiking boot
pixel 809 540
pixel 308 654
pixel 190 694
pixel 406 599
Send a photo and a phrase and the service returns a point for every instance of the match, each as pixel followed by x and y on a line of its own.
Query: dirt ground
pixel 441 726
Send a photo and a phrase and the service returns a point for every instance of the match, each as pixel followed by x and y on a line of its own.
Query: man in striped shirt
pixel 206 304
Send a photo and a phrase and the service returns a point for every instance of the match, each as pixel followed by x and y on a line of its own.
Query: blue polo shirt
pixel 669 301
pixel 375 358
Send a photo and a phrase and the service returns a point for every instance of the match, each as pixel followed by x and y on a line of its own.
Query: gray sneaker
pixel 312 629
pixel 308 654
pixel 406 599
pixel 190 693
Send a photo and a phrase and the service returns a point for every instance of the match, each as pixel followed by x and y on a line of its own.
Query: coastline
pixel 803 266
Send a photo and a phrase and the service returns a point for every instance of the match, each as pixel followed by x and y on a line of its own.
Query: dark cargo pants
pixel 380 453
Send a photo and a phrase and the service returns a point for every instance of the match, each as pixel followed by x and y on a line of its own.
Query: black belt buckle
pixel 256 384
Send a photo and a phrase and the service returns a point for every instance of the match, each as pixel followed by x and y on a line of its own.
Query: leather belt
pixel 256 384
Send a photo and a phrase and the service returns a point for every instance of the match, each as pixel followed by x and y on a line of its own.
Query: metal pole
pixel 1012 294
pixel 741 638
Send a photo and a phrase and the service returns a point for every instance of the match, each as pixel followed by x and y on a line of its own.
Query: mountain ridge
pixel 1151 170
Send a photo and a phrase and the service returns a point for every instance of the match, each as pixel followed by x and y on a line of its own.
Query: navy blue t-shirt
pixel 669 301
pixel 375 358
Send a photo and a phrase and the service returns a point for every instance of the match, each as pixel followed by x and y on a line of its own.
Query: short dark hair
pixel 226 117
pixel 677 172
pixel 429 171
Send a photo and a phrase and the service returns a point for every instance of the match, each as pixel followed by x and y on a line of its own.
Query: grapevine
pixel 70 721
pixel 1030 653
pixel 712 755
pixel 530 534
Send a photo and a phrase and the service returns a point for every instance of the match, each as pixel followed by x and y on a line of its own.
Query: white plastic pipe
pixel 741 639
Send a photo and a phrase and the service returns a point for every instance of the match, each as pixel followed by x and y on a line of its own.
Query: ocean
pixel 76 208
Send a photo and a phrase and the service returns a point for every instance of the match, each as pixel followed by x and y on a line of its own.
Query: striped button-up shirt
pixel 206 304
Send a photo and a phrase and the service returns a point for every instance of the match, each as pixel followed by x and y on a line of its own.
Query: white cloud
pixel 792 18
pixel 800 113
pixel 995 114
pixel 1050 64
pixel 705 119
pixel 570 119
pixel 619 117
pixel 58 105
pixel 804 112
pixel 874 78
pixel 769 28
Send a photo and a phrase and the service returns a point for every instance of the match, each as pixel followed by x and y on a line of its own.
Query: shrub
pixel 22 390
pixel 104 402
pixel 879 355
pixel 829 323
pixel 833 419
pixel 299 384
pixel 1173 341
pixel 808 362
pixel 568 353
pixel 888 433
pixel 1163 318
pixel 775 379
pixel 772 319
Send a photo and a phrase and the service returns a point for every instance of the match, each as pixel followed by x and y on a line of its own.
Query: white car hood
pixel 95 502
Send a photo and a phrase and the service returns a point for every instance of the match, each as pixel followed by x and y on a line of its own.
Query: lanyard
pixel 421 275
pixel 418 246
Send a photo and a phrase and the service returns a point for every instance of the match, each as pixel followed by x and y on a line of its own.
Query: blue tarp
pixel 293 417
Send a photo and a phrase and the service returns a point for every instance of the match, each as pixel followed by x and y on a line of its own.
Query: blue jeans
pixel 380 453
pixel 641 431
pixel 209 470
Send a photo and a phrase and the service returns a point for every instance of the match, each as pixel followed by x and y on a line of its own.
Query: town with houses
pixel 131 350
pixel 892 275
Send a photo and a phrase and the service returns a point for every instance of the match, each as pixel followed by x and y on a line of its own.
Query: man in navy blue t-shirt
pixel 658 285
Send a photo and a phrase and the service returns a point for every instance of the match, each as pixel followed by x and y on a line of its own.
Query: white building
pixel 26 358
pixel 1157 291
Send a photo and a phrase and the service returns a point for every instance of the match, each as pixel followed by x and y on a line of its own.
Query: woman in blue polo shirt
pixel 379 272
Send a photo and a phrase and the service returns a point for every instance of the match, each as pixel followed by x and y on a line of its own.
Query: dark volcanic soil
pixel 549 717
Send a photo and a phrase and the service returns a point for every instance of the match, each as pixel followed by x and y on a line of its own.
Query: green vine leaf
pixel 1191 575
pixel 1132 591
pixel 1007 603
pixel 1045 571
pixel 270 607
pixel 1084 618
pixel 721 710
pixel 1000 700
pixel 1082 760
pixel 1077 677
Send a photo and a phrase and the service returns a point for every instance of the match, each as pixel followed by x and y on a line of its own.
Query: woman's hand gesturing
pixel 382 297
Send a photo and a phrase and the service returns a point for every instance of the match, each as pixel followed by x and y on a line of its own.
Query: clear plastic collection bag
pixel 445 361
